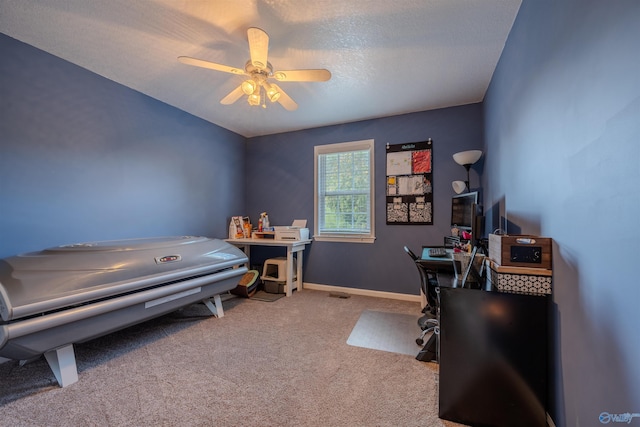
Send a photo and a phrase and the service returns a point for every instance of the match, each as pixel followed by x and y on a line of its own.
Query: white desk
pixel 294 247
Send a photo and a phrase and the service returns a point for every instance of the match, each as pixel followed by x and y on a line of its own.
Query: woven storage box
pixel 529 281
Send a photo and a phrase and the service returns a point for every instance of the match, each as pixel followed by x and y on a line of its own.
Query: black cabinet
pixel 493 358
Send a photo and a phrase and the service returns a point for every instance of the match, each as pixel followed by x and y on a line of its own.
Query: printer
pixel 296 231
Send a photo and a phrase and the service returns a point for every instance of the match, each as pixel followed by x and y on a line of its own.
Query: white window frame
pixel 318 150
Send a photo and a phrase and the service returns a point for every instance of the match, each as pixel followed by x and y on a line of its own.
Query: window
pixel 344 193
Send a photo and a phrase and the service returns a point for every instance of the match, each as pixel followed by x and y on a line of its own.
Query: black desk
pixel 443 269
pixel 449 272
pixel 493 357
pixel 492 349
pixel 436 261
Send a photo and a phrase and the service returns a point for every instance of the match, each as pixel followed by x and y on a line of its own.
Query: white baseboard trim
pixel 364 292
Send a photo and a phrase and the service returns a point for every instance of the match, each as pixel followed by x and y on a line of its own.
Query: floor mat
pixel 393 332
pixel 266 296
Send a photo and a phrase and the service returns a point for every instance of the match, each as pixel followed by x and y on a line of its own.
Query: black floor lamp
pixel 466 159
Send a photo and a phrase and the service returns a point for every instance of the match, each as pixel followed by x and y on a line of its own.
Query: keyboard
pixel 437 252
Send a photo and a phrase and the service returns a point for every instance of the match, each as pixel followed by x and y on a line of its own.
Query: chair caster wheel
pixel 419 341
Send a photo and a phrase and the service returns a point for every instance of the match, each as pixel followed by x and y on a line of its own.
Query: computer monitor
pixel 463 210
pixel 477 224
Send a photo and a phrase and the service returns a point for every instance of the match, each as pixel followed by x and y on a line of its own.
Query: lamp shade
pixel 467 157
pixel 458 186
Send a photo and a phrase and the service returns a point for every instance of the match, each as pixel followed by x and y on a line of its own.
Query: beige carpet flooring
pixel 281 363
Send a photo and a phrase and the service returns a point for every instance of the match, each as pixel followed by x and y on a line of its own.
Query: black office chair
pixel 429 287
pixel 431 280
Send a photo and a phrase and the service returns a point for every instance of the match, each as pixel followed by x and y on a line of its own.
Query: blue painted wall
pixel 83 158
pixel 562 129
pixel 280 181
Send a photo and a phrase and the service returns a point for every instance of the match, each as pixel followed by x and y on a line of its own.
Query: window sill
pixel 344 239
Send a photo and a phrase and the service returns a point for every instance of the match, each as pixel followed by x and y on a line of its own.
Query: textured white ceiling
pixel 386 57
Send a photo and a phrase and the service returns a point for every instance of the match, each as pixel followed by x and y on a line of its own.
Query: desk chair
pixel 428 286
pixel 434 274
pixel 428 283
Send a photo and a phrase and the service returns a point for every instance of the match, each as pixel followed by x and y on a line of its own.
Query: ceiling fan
pixel 259 71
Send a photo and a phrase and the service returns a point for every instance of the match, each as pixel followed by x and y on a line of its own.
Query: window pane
pixel 344 189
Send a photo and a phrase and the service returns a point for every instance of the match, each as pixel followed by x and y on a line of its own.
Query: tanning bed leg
pixel 216 309
pixel 62 362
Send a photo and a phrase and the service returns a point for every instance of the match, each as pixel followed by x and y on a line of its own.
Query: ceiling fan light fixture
pixel 249 86
pixel 272 93
pixel 257 71
pixel 254 98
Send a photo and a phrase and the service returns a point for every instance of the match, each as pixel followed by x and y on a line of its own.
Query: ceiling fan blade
pixel 285 100
pixel 233 96
pixel 211 65
pixel 302 75
pixel 258 47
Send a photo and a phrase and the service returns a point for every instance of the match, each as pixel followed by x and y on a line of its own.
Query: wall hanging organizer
pixel 410 183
